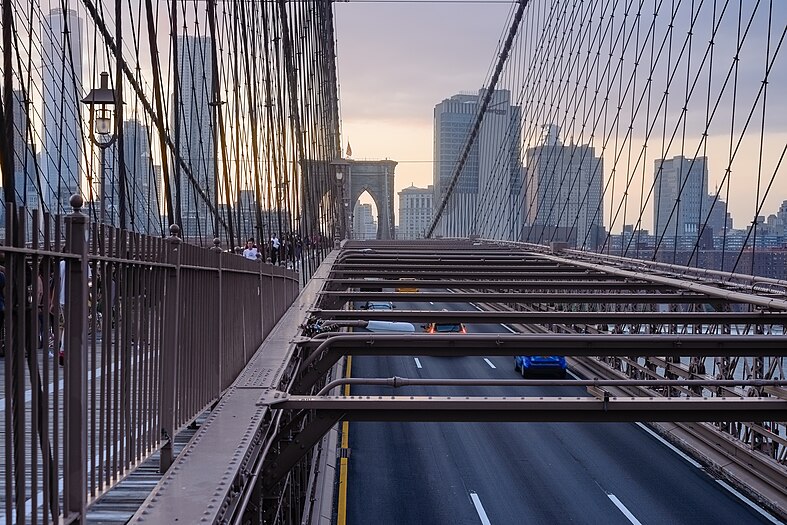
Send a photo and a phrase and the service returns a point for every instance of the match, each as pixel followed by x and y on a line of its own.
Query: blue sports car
pixel 541 365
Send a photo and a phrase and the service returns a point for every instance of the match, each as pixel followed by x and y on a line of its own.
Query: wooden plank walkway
pixel 119 504
pixel 116 505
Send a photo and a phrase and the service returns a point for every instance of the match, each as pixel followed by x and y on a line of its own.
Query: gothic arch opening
pixel 365 213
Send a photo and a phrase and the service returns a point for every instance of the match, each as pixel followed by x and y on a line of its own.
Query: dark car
pixel 378 305
pixel 445 328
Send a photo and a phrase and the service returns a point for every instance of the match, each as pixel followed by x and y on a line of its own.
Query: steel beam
pixel 325 352
pixel 537 409
pixel 624 318
pixel 761 300
pixel 327 411
pixel 506 285
pixel 399 382
pixel 468 297
pixel 494 268
pixel 466 273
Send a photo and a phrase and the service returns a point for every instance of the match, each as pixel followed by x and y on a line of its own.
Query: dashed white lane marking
pixel 430 302
pixel 417 362
pixel 747 501
pixel 508 328
pixel 479 509
pixel 670 446
pixel 490 363
pixel 622 508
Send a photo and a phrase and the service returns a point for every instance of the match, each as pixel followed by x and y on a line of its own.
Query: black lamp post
pixel 101 101
pixel 339 166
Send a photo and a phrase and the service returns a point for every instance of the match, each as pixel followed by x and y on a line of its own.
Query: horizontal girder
pixel 550 317
pixel 542 408
pixel 496 297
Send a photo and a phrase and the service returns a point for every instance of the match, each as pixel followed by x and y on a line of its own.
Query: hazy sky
pixel 396 61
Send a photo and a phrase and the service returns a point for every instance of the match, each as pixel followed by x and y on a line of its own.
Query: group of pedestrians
pixel 284 251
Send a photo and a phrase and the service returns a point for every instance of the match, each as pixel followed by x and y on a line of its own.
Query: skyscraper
pixel 364 224
pixel 195 67
pixel 25 161
pixel 564 192
pixel 61 56
pixel 141 202
pixel 680 198
pixel 487 198
pixel 415 212
pixel 453 119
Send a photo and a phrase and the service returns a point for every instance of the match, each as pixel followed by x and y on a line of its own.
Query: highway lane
pixel 436 473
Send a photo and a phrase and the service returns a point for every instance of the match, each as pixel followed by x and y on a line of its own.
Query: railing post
pixel 216 248
pixel 75 365
pixel 169 351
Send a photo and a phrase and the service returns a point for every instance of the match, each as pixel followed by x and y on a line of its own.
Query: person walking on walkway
pixel 275 249
pixel 251 252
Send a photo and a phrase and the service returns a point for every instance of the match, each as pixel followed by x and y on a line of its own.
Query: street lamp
pixel 339 165
pixel 101 101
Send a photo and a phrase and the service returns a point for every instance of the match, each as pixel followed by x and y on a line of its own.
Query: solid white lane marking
pixel 508 328
pixel 669 445
pixel 417 362
pixel 747 501
pixel 479 509
pixel 489 363
pixel 622 508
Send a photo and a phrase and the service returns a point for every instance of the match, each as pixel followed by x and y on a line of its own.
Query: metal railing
pixel 113 342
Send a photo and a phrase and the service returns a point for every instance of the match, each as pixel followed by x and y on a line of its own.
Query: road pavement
pixel 504 473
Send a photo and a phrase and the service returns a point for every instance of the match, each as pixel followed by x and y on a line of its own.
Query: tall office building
pixel 195 67
pixel 564 193
pixel 245 213
pixel 488 191
pixel 61 56
pixel 364 224
pixel 415 212
pixel 25 160
pixel 141 202
pixel 680 198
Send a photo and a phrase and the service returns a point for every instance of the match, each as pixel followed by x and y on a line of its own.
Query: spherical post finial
pixel 216 244
pixel 174 230
pixel 76 202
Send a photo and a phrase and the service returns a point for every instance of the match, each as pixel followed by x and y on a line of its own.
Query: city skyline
pixel 399 110
pixel 398 125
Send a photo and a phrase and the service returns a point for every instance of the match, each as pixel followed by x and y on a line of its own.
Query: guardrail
pixel 113 342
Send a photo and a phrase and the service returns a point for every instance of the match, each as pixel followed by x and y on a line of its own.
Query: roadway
pixel 502 473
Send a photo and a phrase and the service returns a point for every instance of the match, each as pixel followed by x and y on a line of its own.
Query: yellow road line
pixel 341 513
